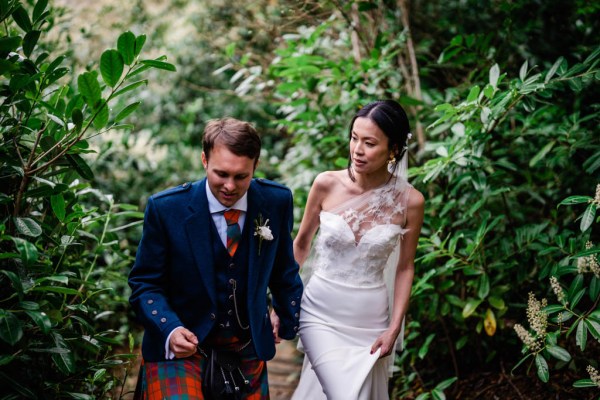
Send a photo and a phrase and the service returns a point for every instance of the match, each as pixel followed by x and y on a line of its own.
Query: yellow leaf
pixel 490 322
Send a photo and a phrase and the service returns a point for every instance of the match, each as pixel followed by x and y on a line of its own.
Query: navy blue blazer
pixel 173 278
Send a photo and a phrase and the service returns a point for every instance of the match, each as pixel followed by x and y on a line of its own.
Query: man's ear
pixel 204 160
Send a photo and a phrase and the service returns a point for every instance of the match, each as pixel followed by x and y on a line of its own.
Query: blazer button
pixel 213 316
pixel 230 297
pixel 150 301
pixel 230 312
pixel 232 265
pixel 163 320
pixel 296 315
pixel 154 312
pixel 293 302
pixel 296 329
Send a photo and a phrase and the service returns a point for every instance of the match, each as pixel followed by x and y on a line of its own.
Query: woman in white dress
pixel 369 219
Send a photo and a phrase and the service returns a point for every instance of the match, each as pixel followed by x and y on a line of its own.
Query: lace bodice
pixel 356 238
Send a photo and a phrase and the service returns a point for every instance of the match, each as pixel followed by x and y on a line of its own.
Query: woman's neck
pixel 366 182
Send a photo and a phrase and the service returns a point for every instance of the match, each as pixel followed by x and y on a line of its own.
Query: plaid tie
pixel 233 230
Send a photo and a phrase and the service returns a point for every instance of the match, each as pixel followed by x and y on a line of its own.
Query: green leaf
pixel 470 307
pixel 56 289
pixel 559 353
pixel 159 65
pixel 542 368
pixel 130 87
pixel 80 166
pixel 496 302
pixel 575 200
pixel 126 47
pixel 523 71
pixel 41 320
pixel 425 347
pixel 57 202
pixel 553 69
pixel 446 384
pixel 593 327
pixel 65 361
pixel 27 250
pixel 29 41
pixel 494 75
pixel 127 110
pixel 139 44
pixel 438 395
pixel 581 335
pixel 22 18
pixel 588 217
pixel 39 9
pixel 583 383
pixel 77 117
pixel 27 226
pixel 9 43
pixel 101 116
pixel 111 67
pixel 89 87
pixel 542 153
pixel 483 286
pixel 11 329
pixel 16 282
pixel 473 94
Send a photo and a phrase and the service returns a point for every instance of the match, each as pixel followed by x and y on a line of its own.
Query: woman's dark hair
pixel 391 118
pixel 238 136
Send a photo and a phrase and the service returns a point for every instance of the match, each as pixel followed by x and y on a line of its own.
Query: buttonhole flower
pixel 263 231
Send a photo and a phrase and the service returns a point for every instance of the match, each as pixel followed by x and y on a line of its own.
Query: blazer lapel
pixel 256 208
pixel 197 227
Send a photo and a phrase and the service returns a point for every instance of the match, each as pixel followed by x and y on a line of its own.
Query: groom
pixel 209 252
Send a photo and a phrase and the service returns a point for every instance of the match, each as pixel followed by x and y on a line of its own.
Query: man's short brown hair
pixel 238 136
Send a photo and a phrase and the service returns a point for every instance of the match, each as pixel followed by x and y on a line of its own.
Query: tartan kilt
pixel 181 378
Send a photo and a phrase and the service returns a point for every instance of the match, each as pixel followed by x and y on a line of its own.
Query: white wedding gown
pixel 345 305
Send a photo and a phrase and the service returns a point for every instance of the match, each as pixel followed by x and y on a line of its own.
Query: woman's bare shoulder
pixel 415 199
pixel 327 180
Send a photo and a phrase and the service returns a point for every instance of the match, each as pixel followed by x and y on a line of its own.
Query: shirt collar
pixel 214 206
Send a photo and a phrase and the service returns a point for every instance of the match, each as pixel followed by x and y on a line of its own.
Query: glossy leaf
pixel 79 164
pixel 30 41
pixel 489 323
pixel 27 251
pixel 581 335
pixel 101 115
pixel 139 44
pixel 22 18
pixel 89 87
pixel 9 43
pixel 588 217
pixel 470 307
pixel 559 353
pixel 127 111
pixel 65 360
pixel 38 9
pixel 28 227
pixel 159 64
pixel 542 368
pixel 111 67
pixel 126 47
pixel 58 206
pixel 11 329
pixel 41 320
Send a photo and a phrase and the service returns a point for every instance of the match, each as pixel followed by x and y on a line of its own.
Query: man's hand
pixel 275 323
pixel 183 343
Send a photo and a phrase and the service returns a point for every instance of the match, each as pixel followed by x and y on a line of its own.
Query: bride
pixel 361 264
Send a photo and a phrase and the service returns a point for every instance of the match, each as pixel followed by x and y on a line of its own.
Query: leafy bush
pixel 62 261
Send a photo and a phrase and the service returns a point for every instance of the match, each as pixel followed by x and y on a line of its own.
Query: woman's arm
pixel 404 272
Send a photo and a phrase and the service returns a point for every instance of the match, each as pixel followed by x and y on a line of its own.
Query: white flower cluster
pixel 558 290
pixel 597 196
pixel 594 375
pixel 538 321
pixel 588 263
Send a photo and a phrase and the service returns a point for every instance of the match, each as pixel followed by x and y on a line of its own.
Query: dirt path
pixel 284 371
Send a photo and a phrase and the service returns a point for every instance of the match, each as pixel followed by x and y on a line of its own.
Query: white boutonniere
pixel 263 231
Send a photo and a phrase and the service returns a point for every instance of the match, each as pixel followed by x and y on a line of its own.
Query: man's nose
pixel 229 184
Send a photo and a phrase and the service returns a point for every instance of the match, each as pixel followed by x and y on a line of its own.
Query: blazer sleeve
pixel 285 284
pixel 148 277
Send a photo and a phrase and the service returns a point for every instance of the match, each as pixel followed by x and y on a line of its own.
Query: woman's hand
pixel 275 324
pixel 385 342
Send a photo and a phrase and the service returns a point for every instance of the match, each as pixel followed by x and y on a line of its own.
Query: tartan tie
pixel 233 230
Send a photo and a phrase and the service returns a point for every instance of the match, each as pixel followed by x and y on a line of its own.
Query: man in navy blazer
pixel 201 280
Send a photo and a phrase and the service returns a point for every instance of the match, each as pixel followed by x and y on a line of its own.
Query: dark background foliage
pixel 503 105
